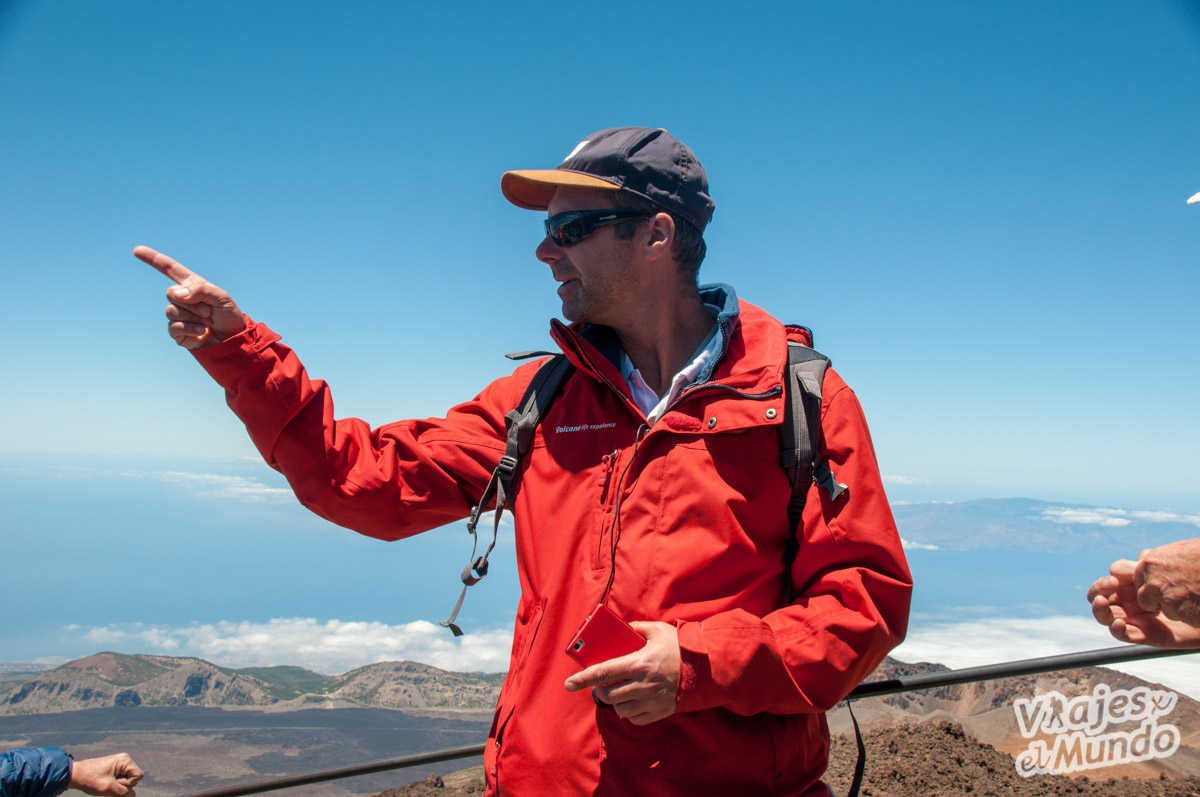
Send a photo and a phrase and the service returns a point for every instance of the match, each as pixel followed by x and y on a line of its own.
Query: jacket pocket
pixel 799 740
pixel 527 627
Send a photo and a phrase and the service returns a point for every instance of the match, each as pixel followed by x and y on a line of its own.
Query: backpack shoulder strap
pixel 800 432
pixel 521 423
pixel 523 420
pixel 800 455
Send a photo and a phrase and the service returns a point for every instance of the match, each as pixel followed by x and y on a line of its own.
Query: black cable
pixel 989 672
pixel 343 772
pixel 614 531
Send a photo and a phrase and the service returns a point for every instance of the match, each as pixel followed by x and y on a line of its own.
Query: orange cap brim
pixel 532 188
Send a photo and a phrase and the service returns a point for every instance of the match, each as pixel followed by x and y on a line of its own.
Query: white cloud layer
pixel 894 479
pixel 331 647
pixel 1087 516
pixel 975 643
pixel 917 546
pixel 238 488
pixel 233 487
pixel 1104 516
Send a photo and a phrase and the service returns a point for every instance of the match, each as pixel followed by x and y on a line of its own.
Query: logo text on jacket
pixel 585 427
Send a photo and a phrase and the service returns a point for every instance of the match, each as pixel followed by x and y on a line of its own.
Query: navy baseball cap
pixel 646 161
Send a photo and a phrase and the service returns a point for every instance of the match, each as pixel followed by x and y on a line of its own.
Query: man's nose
pixel 548 251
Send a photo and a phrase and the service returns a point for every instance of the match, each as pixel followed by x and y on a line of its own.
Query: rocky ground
pixel 457 784
pixel 935 759
pixel 938 759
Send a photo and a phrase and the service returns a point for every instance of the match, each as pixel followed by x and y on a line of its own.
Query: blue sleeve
pixel 41 772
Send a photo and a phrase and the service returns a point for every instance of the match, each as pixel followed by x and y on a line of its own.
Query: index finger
pixel 599 675
pixel 167 265
pixel 602 674
pixel 1103 586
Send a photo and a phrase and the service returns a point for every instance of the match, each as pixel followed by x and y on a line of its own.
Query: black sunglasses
pixel 575 225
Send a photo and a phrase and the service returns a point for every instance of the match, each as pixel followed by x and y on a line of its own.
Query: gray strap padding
pixel 800 433
pixel 521 424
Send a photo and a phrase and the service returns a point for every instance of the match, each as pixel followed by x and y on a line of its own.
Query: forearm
pixel 35 772
pixel 388 482
pixel 804 658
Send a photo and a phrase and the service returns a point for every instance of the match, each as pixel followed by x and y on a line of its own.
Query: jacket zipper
pixel 607 491
pixel 610 463
pixel 691 390
pixel 614 522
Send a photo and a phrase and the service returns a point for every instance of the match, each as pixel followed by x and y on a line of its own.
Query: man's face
pixel 597 275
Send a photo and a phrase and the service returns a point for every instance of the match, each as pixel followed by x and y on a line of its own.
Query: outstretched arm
pixel 199 314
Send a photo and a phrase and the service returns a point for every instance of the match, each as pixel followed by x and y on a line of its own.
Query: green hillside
pixel 285 683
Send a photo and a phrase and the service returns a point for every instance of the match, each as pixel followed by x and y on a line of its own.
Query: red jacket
pixel 698 505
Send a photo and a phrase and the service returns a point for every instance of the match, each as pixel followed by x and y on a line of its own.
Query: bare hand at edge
pixel 1168 580
pixel 111 776
pixel 199 314
pixel 641 686
pixel 1114 600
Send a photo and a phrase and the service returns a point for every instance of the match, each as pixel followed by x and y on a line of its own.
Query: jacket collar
pixel 725 299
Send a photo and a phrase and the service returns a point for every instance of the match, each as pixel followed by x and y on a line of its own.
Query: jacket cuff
pixel 251 340
pixel 57 763
pixel 696 690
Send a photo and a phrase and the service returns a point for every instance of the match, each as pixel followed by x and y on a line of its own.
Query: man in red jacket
pixel 653 486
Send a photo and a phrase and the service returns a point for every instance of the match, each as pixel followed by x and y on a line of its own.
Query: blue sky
pixel 979 208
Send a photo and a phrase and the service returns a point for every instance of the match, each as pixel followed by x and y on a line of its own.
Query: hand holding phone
pixel 603 636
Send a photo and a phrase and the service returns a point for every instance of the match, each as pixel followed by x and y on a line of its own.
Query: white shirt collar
pixel 651 403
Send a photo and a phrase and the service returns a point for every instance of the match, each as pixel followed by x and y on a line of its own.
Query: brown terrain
pixel 958 740
pixel 931 759
pixel 986 712
pixel 194 725
pixel 940 759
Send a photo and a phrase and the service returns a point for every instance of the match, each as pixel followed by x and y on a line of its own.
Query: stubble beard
pixel 602 298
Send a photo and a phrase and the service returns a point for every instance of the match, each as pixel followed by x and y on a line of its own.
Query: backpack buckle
pixel 508 466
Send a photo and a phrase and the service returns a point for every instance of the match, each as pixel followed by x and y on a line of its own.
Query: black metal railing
pixel 908 683
pixel 436 757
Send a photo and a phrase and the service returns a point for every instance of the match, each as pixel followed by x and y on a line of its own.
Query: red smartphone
pixel 603 636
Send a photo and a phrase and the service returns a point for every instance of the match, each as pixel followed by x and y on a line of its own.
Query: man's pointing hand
pixel 641 686
pixel 199 314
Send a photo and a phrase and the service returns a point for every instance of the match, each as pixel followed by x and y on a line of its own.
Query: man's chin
pixel 573 312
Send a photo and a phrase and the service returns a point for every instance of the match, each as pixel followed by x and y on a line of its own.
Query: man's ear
pixel 660 234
